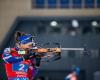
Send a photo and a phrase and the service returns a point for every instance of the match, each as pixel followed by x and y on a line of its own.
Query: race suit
pixel 16 67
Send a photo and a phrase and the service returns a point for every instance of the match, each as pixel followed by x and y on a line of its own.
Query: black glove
pixel 29 55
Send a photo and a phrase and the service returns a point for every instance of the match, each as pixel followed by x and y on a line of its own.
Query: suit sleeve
pixel 8 58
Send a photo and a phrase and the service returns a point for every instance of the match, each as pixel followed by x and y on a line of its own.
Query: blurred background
pixel 72 23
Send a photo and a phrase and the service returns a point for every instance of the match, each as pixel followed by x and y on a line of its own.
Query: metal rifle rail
pixel 74 49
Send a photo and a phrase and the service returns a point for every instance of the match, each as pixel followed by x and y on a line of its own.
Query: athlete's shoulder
pixel 7 50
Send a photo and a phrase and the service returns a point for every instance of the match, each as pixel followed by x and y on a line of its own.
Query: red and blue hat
pixel 25 39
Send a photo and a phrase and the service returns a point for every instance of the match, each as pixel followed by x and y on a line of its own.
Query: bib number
pixel 20 67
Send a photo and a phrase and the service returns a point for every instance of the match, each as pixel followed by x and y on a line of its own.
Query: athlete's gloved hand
pixel 29 55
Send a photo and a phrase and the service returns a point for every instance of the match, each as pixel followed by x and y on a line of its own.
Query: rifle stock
pixel 44 50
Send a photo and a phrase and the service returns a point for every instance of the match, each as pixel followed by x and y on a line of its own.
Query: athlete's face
pixel 26 46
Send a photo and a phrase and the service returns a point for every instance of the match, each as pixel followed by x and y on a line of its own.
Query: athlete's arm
pixel 7 57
